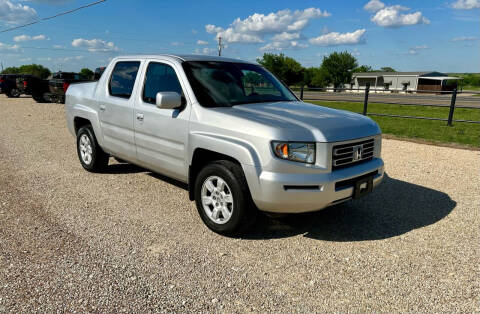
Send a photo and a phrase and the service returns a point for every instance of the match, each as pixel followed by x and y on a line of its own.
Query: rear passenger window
pixel 123 79
pixel 160 78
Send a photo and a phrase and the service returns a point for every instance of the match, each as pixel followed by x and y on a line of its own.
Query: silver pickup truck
pixel 231 130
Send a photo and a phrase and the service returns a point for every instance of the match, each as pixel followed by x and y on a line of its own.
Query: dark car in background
pixel 59 84
pixel 32 85
pixel 98 73
pixel 8 85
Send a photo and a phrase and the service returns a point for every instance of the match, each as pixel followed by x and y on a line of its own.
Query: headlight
pixel 294 151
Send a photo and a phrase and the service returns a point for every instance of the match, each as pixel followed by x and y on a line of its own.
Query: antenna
pixel 220 46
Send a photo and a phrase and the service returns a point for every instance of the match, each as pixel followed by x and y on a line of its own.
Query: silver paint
pixel 164 140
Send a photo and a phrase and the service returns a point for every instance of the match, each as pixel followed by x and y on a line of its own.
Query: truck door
pixel 116 103
pixel 161 134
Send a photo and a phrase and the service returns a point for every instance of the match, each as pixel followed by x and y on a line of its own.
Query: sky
pixel 408 35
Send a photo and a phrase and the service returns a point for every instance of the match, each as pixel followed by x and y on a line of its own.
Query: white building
pixel 404 81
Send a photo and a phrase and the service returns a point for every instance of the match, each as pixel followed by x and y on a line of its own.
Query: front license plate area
pixel 363 187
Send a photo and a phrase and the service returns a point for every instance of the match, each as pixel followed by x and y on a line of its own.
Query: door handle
pixel 140 116
pixel 102 107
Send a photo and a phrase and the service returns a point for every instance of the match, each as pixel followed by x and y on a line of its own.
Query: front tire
pixel 223 199
pixel 91 155
pixel 38 98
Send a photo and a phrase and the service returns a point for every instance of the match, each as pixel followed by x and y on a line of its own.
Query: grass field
pixel 436 131
pixel 470 82
pixel 471 88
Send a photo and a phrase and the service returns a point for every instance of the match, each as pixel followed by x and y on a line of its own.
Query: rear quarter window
pixel 123 79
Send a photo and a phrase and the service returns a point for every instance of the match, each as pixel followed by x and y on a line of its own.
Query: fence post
pixel 301 93
pixel 365 102
pixel 452 107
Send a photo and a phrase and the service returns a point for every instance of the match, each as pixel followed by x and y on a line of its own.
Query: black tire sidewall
pixel 15 93
pixel 234 225
pixel 38 98
pixel 97 152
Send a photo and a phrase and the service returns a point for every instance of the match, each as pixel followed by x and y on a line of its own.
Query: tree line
pixel 41 71
pixel 336 69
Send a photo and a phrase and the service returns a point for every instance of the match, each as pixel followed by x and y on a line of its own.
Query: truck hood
pixel 302 121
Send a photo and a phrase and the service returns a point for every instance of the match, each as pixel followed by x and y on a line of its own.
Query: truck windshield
pixel 226 84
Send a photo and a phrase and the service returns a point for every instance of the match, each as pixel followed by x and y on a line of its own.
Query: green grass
pixel 471 88
pixel 437 131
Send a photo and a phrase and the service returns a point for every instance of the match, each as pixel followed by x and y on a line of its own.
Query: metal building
pixel 404 81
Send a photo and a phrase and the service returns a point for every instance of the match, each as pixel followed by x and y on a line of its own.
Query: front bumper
pixel 297 193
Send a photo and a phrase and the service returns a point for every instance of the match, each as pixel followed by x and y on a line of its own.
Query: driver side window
pixel 159 78
pixel 255 84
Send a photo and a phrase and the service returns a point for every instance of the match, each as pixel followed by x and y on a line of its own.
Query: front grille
pixel 345 155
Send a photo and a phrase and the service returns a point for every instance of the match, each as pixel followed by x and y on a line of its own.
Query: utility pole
pixel 2 65
pixel 220 46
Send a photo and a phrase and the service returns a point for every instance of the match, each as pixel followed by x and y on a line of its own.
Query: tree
pixel 363 69
pixel 34 69
pixel 287 69
pixel 338 68
pixel 87 73
pixel 253 78
pixel 11 70
pixel 387 69
pixel 315 77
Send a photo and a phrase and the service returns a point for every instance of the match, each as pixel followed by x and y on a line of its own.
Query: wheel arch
pixel 80 115
pixel 200 158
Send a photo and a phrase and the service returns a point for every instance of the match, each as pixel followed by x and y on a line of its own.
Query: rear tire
pixel 223 199
pixel 91 155
pixel 14 93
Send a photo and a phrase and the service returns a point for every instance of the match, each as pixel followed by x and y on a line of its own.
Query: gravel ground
pixel 129 240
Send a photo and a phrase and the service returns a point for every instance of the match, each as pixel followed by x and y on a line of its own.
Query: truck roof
pixel 185 57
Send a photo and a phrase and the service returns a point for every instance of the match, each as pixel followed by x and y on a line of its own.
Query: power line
pixel 53 16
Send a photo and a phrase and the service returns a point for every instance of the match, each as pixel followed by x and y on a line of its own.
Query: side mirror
pixel 168 100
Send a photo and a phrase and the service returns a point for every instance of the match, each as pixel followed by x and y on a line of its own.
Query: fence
pixel 472 102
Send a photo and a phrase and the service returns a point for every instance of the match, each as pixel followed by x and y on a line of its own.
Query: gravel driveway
pixel 129 240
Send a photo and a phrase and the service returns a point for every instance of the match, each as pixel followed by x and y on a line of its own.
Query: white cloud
pixel 202 42
pixel 464 38
pixel 336 39
pixel 194 31
pixel 58 46
pixel 415 50
pixel 286 36
pixel 73 58
pixel 39 37
pixel 392 17
pixel 282 45
pixel 7 47
pixel 28 38
pixel 93 45
pixel 206 51
pixel 15 13
pixel 229 35
pixel 374 6
pixel 177 43
pixel 466 4
pixel 254 28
